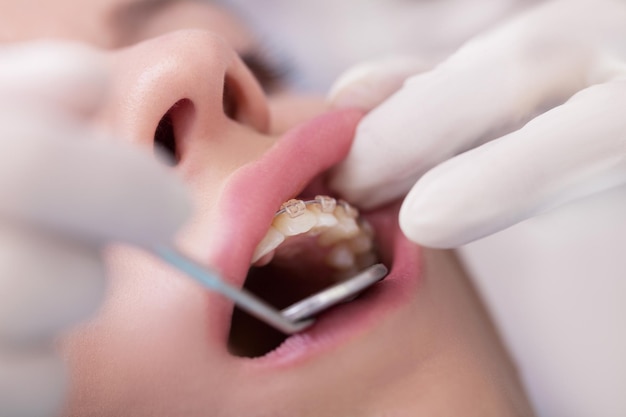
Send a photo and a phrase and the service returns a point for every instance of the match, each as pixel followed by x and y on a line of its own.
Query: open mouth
pixel 311 245
pixel 289 270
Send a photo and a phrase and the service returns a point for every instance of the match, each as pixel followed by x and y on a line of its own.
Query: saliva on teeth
pixel 334 224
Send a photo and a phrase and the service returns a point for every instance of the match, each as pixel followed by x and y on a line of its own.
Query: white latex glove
pixel 429 137
pixel 64 191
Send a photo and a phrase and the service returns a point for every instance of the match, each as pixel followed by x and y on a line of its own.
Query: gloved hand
pixel 560 67
pixel 64 191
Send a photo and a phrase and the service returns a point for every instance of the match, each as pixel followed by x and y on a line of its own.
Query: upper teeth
pixel 334 222
pixel 292 225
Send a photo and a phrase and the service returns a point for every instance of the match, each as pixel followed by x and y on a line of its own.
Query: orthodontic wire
pixel 341 203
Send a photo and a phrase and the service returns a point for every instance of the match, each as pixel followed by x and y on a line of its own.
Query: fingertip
pixel 152 207
pixel 139 201
pixel 351 89
pixel 359 187
pixel 59 284
pixel 432 233
pixel 434 217
pixel 33 383
pixel 423 228
pixel 367 177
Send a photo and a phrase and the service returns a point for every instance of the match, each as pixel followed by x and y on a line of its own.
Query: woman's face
pixel 417 343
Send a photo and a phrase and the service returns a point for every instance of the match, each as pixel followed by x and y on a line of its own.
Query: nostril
pixel 230 99
pixel 165 140
pixel 243 100
pixel 171 129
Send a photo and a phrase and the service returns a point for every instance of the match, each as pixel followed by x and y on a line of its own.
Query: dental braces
pixel 295 208
pixel 338 227
pixel 300 315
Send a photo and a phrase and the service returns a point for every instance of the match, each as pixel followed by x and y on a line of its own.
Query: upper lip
pixel 254 193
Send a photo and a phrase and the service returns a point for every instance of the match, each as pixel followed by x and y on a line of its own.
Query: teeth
pixel 346 228
pixel 361 243
pixel 294 208
pixel 349 210
pixel 324 220
pixel 326 204
pixel 290 225
pixel 265 259
pixel 349 239
pixel 364 260
pixel 341 257
pixel 271 241
pixel 367 229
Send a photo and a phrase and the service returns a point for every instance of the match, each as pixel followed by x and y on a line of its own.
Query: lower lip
pixel 347 321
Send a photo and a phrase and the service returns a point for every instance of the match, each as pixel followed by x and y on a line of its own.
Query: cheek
pixel 288 110
pixel 150 334
pixel 147 300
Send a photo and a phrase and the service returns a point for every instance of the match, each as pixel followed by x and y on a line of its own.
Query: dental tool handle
pixel 243 299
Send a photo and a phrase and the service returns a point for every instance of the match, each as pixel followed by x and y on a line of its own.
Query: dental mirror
pixel 343 291
pixel 291 320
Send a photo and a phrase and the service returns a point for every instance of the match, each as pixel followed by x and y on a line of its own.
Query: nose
pixel 182 88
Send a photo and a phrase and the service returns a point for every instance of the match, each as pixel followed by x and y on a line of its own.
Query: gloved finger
pixel 46 284
pixel 367 85
pixel 489 87
pixel 32 383
pixel 571 151
pixel 66 76
pixel 432 118
pixel 62 176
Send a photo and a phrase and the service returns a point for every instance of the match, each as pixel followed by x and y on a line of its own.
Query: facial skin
pixel 151 351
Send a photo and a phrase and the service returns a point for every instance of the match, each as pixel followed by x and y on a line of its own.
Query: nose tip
pixel 192 77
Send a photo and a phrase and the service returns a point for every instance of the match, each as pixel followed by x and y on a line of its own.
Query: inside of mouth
pixel 281 283
pixel 299 268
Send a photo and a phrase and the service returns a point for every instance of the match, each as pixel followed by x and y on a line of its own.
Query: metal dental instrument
pixel 291 320
pixel 340 292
